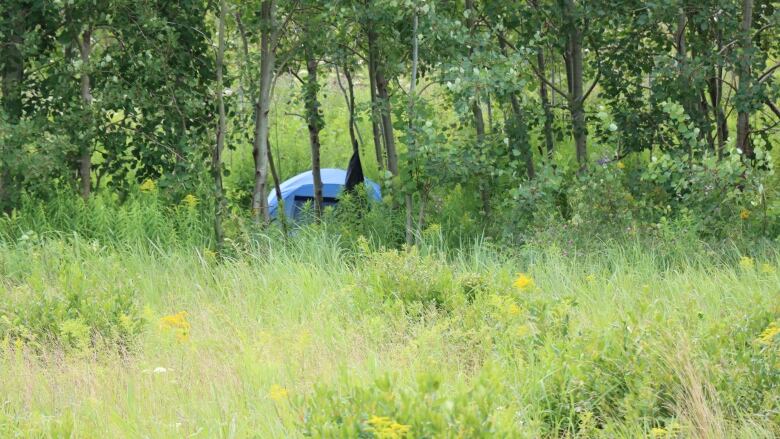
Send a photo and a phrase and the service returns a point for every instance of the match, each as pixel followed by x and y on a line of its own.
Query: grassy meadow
pixel 306 338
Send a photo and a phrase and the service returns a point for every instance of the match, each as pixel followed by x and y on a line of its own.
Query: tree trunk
pixel 387 121
pixel 575 78
pixel 745 80
pixel 314 124
pixel 548 116
pixel 715 86
pixel 372 82
pixel 351 105
pixel 280 212
pixel 545 98
pixel 412 136
pixel 85 160
pixel 521 137
pixel 216 161
pixel 476 112
pixel 262 108
pixel 489 108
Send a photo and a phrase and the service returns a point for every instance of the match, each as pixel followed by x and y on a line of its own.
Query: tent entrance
pixel 301 201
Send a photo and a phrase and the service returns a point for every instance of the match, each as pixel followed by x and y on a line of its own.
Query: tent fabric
pixel 302 187
pixel 354 172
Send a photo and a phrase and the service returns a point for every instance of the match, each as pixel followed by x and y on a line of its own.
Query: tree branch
pixel 764 76
pixel 773 107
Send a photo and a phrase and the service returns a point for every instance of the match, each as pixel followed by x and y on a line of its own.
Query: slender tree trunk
pixel 519 135
pixel 85 161
pixel 277 189
pixel 575 78
pixel 683 78
pixel 476 112
pixel 262 108
pixel 707 122
pixel 372 82
pixel 387 121
pixel 412 135
pixel 716 96
pixel 479 127
pixel 314 124
pixel 479 120
pixel 745 81
pixel 548 116
pixel 423 205
pixel 489 108
pixel 351 106
pixel 545 98
pixel 216 160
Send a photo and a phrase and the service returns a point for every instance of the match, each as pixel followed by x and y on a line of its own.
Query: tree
pixel 216 163
pixel 268 43
pixel 745 79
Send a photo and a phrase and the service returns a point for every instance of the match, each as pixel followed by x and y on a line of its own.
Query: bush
pixel 69 307
pixel 414 280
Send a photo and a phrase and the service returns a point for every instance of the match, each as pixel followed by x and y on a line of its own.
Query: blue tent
pixel 300 189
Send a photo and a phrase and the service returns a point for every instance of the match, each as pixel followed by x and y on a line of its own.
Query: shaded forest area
pixel 483 117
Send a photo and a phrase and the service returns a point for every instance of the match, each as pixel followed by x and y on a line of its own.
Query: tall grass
pixel 310 337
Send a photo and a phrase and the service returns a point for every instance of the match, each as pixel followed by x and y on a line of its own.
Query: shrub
pixel 77 311
pixel 414 280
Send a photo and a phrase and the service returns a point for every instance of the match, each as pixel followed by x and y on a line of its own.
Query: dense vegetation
pixel 612 115
pixel 578 235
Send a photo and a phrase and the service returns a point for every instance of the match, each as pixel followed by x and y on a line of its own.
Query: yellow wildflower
pixel 278 393
pixel 769 334
pixel 148 185
pixel 746 262
pixel 178 323
pixel 191 201
pixel 209 254
pixel 523 282
pixel 767 268
pixel 514 310
pixel 658 432
pixel 386 428
pixel 744 214
pixel 523 331
pixel 621 165
pixel 590 278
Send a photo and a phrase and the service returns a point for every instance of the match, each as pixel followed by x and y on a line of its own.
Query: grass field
pixel 308 339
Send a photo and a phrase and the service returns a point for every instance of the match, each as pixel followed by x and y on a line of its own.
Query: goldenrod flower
pixel 747 263
pixel 769 334
pixel 386 428
pixel 658 432
pixel 148 185
pixel 178 323
pixel 767 268
pixel 621 165
pixel 744 214
pixel 523 331
pixel 209 254
pixel 191 201
pixel 278 393
pixel 523 282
